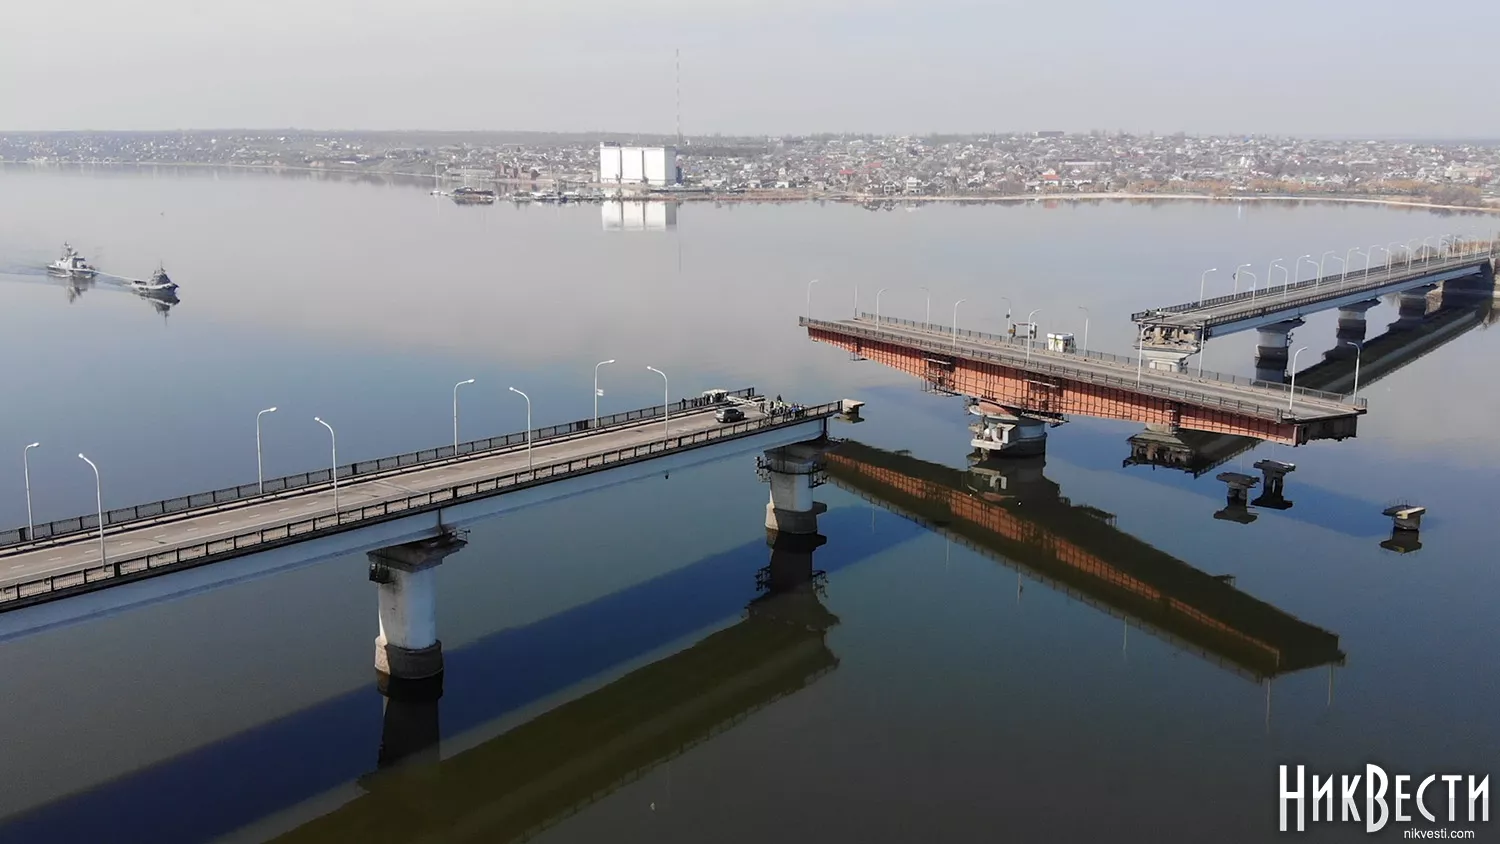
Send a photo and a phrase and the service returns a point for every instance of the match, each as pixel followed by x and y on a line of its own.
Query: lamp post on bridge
pixel 598 393
pixel 1203 281
pixel 26 471
pixel 809 302
pixel 877 305
pixel 528 424
pixel 260 481
pixel 1008 309
pixel 99 502
pixel 334 472
pixel 955 321
pixel 1342 261
pixel 1409 251
pixel 927 320
pixel 1086 327
pixel 1347 256
pixel 1030 332
pixel 1292 391
pixel 1384 249
pixel 666 397
pixel 1300 259
pixel 455 413
pixel 1140 352
pixel 1428 250
pixel 1269 279
pixel 1237 271
pixel 1359 351
pixel 1359 252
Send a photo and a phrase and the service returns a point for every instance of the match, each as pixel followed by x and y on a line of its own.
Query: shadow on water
pixel 532 775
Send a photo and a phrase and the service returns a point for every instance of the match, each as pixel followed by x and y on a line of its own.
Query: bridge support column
pixel 1412 307
pixel 1271 348
pixel 1236 508
pixel 409 729
pixel 1405 529
pixel 793 472
pixel 1169 361
pixel 1274 473
pixel 407 648
pixel 1008 434
pixel 1352 325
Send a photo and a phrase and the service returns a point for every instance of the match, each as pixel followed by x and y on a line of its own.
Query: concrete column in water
pixel 1352 325
pixel 1008 433
pixel 1412 307
pixel 405 576
pixel 1271 348
pixel 793 471
pixel 1272 493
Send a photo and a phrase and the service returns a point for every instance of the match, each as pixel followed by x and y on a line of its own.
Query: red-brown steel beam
pixel 1054 395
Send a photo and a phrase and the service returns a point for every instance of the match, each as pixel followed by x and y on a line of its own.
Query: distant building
pixel 653 166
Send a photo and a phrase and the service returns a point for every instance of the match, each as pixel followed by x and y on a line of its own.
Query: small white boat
pixel 72 265
pixel 159 283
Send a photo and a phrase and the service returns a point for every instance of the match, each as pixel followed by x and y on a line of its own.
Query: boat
pixel 473 196
pixel 159 284
pixel 72 265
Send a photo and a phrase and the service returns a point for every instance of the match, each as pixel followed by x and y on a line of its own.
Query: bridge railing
pixel 1045 364
pixel 1368 276
pixel 141 565
pixel 360 470
pixel 1038 350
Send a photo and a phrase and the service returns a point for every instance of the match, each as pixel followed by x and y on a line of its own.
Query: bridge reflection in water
pixel 1009 511
pixel 547 769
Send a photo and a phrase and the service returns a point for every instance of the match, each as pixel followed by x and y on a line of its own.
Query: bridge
pixel 1170 335
pixel 1009 511
pixel 1020 386
pixel 409 511
pixel 1408 339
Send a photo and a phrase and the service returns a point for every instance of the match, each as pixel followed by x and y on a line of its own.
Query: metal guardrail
pixel 144 565
pixel 62 528
pixel 1351 282
pixel 1040 364
pixel 1205 376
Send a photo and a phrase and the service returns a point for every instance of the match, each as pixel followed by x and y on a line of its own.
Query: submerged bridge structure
pixel 1021 386
pixel 1009 511
pixel 1170 335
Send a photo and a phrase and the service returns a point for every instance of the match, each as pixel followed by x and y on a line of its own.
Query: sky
pixel 1289 67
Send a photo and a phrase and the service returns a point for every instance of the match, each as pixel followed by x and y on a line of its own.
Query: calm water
pixel 614 673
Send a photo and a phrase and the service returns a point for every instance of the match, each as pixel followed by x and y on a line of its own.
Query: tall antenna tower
pixel 677 61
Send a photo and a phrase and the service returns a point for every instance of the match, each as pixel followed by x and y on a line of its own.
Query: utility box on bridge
pixel 1061 343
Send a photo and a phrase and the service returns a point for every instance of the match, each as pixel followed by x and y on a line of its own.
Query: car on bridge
pixel 729 414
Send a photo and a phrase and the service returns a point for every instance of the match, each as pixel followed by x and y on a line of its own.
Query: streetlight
pixel 1237 271
pixel 856 300
pixel 1140 351
pixel 98 501
pixel 597 393
pixel 1347 255
pixel 1390 254
pixel 1030 332
pixel 928 319
pixel 260 481
pixel 1316 268
pixel 528 425
pixel 1203 281
pixel 1410 251
pixel 1359 350
pixel 666 396
pixel 1358 252
pixel 455 413
pixel 1008 309
pixel 1371 254
pixel 1086 327
pixel 809 300
pixel 334 441
pixel 955 320
pixel 1292 392
pixel 877 305
pixel 26 470
pixel 1344 262
pixel 1269 269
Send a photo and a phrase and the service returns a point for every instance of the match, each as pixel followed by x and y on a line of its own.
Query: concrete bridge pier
pixel 409 728
pixel 407 648
pixel 1352 325
pixel 1008 433
pixel 1168 361
pixel 1271 347
pixel 1236 507
pixel 1412 307
pixel 1274 473
pixel 793 472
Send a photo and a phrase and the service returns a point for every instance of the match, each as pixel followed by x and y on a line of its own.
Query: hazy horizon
pixel 770 67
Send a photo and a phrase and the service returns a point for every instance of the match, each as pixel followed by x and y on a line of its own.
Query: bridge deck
pixel 1311 294
pixel 1258 399
pixel 133 549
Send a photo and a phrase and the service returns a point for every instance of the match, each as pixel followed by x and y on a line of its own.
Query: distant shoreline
pixel 778 196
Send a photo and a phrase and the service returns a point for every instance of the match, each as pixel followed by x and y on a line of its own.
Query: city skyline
pixel 1339 69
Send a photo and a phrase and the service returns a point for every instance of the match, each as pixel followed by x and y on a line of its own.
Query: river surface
pixel 616 672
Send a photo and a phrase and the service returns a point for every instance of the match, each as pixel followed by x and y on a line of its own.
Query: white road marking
pixel 225 522
pixel 49 559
